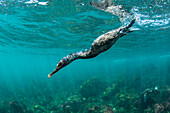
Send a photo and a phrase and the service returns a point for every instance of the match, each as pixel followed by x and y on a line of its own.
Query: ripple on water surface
pixel 48 25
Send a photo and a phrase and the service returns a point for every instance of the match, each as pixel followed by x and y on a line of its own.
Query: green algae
pixel 96 96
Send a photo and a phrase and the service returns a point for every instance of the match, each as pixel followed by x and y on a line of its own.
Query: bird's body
pixel 105 41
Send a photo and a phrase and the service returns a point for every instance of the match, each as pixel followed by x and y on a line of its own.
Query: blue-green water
pixel 34 35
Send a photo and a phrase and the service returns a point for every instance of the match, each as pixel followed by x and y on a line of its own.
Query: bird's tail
pixel 125 29
pixel 131 23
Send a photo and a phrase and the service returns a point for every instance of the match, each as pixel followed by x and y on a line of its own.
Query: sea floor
pixel 123 95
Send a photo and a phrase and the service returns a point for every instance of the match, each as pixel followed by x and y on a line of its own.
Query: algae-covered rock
pixel 147 99
pixel 110 92
pixel 125 100
pixel 15 107
pixel 3 107
pixel 73 104
pixel 38 109
pixel 163 107
pixel 53 112
pixel 92 88
pixel 149 110
pixel 100 109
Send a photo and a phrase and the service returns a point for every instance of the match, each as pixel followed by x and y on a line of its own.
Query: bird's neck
pixel 77 55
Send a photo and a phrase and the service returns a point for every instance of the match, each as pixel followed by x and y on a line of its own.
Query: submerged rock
pixel 53 112
pixel 3 107
pixel 92 88
pixel 73 104
pixel 148 98
pixel 124 101
pixel 110 92
pixel 100 109
pixel 163 107
pixel 15 107
pixel 38 108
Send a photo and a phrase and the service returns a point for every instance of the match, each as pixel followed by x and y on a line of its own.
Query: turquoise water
pixel 34 35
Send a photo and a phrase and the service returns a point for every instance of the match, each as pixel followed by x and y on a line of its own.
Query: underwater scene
pixel 39 36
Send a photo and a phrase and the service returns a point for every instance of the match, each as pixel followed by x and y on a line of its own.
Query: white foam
pixel 42 3
pixel 134 29
pixel 31 1
pixel 150 21
pixel 36 2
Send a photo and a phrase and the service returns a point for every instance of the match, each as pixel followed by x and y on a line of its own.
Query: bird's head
pixel 61 63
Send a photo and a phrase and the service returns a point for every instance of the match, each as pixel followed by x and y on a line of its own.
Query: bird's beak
pixel 53 72
pixel 49 75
